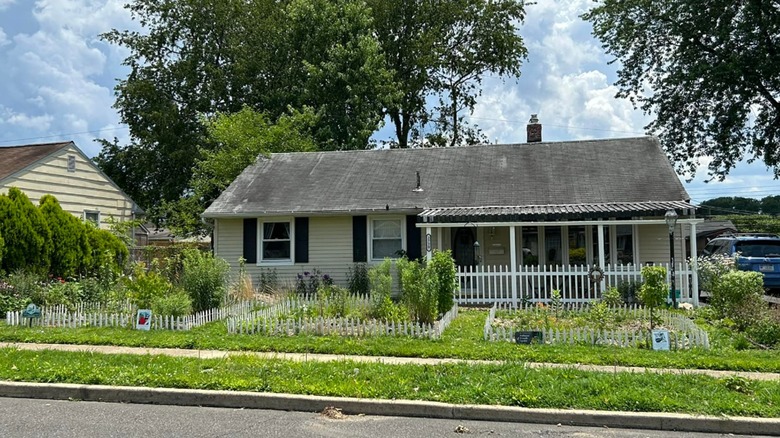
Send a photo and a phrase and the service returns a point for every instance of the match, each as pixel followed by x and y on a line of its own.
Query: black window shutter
pixel 301 240
pixel 250 240
pixel 413 242
pixel 359 244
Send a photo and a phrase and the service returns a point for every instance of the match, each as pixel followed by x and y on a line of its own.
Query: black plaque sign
pixel 530 337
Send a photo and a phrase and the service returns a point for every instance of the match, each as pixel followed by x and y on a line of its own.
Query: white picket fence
pixel 494 284
pixel 683 332
pixel 86 315
pixel 279 325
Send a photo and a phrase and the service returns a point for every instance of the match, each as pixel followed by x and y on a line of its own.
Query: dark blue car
pixel 755 252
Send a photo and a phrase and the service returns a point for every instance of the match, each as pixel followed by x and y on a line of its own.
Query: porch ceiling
pixel 553 212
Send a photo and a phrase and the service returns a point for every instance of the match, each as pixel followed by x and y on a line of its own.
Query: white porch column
pixel 428 244
pixel 439 233
pixel 600 231
pixel 694 266
pixel 513 263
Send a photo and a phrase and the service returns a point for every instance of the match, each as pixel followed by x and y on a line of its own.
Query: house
pixel 521 219
pixel 61 169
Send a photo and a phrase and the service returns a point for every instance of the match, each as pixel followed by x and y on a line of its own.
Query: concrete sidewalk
pixel 303 357
pixel 294 402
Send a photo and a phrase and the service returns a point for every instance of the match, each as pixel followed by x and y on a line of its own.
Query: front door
pixel 463 247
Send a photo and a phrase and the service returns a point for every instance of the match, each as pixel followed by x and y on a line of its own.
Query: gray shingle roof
pixel 551 173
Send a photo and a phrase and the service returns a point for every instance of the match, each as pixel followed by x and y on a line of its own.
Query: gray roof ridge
pixel 352 151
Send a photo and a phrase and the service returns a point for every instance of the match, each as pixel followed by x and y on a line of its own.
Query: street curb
pixel 403 408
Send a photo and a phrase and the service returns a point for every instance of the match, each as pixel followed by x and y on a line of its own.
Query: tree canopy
pixel 707 69
pixel 351 63
pixel 741 205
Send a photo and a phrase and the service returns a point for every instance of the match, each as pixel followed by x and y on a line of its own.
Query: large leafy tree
pixel 197 58
pixel 239 139
pixel 708 69
pixel 26 232
pixel 439 51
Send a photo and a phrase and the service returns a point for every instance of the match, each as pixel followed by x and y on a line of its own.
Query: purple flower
pixel 326 277
pixel 300 277
pixel 307 273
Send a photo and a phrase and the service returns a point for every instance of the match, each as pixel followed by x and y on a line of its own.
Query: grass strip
pixel 463 340
pixel 508 384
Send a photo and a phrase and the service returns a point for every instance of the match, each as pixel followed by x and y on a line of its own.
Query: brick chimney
pixel 533 130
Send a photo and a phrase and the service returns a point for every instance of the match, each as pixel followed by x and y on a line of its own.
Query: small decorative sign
pixel 661 340
pixel 143 320
pixel 529 337
pixel 428 242
pixel 32 311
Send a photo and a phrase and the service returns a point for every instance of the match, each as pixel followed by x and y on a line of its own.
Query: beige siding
pixel 330 249
pixel 84 189
pixel 495 244
pixel 654 243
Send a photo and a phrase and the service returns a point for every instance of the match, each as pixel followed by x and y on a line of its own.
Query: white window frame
pixel 86 212
pixel 260 239
pixel 370 237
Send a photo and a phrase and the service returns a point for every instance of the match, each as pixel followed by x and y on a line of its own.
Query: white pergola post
pixel 602 265
pixel 428 244
pixel 694 266
pixel 513 262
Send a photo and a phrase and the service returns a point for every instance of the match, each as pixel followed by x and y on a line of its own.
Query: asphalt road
pixel 50 418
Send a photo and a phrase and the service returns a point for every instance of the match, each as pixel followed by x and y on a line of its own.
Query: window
pixel 387 238
pixel 71 163
pixel 276 242
pixel 92 216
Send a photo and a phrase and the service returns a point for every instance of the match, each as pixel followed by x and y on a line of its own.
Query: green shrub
pixel 108 253
pixel 205 278
pixel 269 281
pixel 10 300
pixel 61 292
pixel 629 290
pixel 577 256
pixel 766 331
pixel 654 290
pixel 612 297
pixel 70 237
pixel 2 245
pixel 599 314
pixel 357 279
pixel 444 278
pixel 143 287
pixel 22 224
pixel 386 309
pixel 379 279
pixel 419 292
pixel 712 268
pixel 176 303
pixel 334 301
pixel 27 285
pixel 737 295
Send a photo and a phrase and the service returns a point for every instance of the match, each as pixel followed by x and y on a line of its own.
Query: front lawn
pixel 463 339
pixel 507 384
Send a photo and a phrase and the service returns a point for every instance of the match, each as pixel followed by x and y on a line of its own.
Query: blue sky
pixel 57 79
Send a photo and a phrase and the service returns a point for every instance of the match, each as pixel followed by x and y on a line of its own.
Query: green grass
pixel 509 384
pixel 462 340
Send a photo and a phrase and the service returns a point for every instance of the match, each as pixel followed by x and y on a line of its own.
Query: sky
pixel 57 79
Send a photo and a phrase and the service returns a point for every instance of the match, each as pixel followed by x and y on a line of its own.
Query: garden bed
pixel 341 317
pixel 627 326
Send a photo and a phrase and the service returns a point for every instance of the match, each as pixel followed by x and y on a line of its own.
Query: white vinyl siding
pixel 330 249
pixel 85 189
pixel 654 243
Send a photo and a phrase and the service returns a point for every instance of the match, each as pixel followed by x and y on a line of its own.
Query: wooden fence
pixel 280 325
pixel 683 332
pixel 498 284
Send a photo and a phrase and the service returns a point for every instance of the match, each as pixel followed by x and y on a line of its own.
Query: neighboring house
pixel 517 217
pixel 710 229
pixel 62 169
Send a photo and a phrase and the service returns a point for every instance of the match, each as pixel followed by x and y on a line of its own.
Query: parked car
pixel 755 252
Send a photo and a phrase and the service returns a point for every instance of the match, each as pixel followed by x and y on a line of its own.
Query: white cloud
pixel 3 38
pixel 58 71
pixel 4 4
